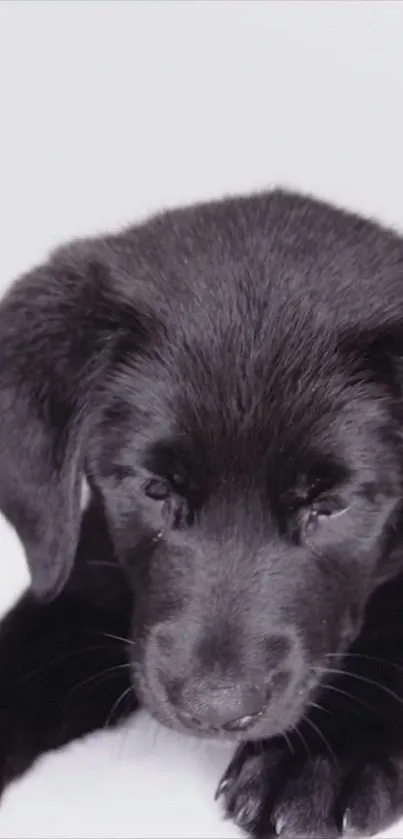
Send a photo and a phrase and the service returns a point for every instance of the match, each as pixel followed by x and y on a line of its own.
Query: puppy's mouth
pixel 232 729
pixel 272 720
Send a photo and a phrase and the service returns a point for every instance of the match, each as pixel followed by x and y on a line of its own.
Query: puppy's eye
pixel 321 510
pixel 157 489
pixel 327 506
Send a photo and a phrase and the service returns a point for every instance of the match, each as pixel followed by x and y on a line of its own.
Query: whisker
pixel 123 740
pixel 155 736
pixel 322 737
pixel 357 699
pixel 28 676
pixel 114 637
pixel 320 708
pixel 335 671
pixel 116 705
pixel 289 744
pixel 296 730
pixel 365 657
pixel 96 676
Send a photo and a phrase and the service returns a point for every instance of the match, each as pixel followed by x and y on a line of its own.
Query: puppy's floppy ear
pixel 60 328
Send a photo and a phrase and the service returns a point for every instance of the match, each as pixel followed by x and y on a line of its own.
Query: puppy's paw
pixel 270 792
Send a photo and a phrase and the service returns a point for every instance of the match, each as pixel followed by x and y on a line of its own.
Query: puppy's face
pixel 250 515
pixel 213 373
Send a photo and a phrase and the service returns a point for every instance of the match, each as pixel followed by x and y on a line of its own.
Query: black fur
pixel 229 380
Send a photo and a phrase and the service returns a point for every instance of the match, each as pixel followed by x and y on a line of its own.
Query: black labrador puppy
pixel 228 379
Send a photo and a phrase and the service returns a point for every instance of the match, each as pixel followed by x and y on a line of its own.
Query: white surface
pixel 109 110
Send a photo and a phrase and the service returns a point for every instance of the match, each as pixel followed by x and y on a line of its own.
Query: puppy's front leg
pixel 341 772
pixel 63 666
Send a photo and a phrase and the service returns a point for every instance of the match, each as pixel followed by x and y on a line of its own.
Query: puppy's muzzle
pixel 228 708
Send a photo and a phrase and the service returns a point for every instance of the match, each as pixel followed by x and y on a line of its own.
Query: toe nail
pixel 240 816
pixel 348 829
pixel 221 788
pixel 279 825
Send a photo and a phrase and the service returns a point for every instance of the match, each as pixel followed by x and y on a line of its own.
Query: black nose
pixel 232 708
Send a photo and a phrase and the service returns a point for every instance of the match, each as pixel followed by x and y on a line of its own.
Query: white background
pixel 109 110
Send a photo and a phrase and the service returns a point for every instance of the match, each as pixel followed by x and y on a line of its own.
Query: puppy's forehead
pixel 256 367
pixel 238 395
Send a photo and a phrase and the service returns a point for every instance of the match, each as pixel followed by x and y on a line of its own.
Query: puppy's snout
pixel 217 681
pixel 231 708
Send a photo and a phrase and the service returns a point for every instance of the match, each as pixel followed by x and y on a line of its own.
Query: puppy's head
pixel 246 451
